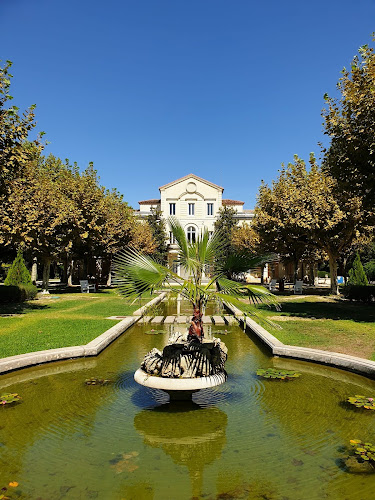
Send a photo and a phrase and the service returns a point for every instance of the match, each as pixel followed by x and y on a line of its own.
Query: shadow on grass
pixel 357 312
pixel 21 308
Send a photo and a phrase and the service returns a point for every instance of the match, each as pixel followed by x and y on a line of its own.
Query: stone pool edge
pixel 343 361
pixel 93 348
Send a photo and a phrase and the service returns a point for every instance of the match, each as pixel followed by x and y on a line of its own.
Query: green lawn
pixel 324 323
pixel 65 319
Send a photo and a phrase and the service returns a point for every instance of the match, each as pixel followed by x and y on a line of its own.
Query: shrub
pixel 323 274
pixel 18 273
pixel 29 292
pixel 360 293
pixel 17 293
pixel 357 275
pixel 369 268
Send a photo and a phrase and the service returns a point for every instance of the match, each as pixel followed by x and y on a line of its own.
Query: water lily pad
pixel 274 373
pixel 9 398
pixel 362 402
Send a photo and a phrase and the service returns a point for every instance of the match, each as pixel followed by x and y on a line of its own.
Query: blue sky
pixel 151 90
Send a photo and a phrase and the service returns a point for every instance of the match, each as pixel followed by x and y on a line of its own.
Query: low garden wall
pixel 93 348
pixel 343 361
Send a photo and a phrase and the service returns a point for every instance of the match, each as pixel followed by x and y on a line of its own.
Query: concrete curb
pixel 344 361
pixel 93 348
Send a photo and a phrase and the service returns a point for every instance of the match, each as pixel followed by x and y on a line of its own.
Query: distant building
pixel 195 202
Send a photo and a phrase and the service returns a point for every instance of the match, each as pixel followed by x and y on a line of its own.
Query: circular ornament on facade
pixel 191 187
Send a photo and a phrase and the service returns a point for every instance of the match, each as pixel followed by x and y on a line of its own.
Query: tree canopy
pixel 303 209
pixel 350 123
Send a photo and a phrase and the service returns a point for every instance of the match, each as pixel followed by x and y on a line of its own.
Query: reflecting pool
pixel 248 438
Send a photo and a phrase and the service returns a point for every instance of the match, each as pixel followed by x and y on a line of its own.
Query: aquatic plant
pixel 363 452
pixel 97 381
pixel 9 398
pixel 362 402
pixel 274 373
pixel 4 490
pixel 154 332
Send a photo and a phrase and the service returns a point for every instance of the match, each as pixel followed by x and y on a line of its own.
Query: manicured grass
pixel 324 323
pixel 60 320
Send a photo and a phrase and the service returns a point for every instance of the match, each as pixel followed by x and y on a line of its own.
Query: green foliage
pixel 274 373
pixel 362 402
pixel 9 398
pixel 360 293
pixel 17 293
pixel 350 122
pixel 364 452
pixel 303 211
pixel 225 223
pixel 158 227
pixel 323 274
pixel 18 273
pixel 14 130
pixel 357 275
pixel 369 268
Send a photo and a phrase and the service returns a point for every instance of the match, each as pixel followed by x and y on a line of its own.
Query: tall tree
pixel 158 229
pixel 14 130
pixel 350 123
pixel 280 213
pixel 225 223
pixel 38 216
pixel 306 208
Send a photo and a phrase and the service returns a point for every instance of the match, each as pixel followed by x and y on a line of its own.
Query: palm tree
pixel 136 273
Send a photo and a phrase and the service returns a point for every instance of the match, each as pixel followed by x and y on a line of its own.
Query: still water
pixel 249 438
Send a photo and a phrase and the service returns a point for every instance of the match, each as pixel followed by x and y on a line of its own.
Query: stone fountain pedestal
pixel 179 388
pixel 184 367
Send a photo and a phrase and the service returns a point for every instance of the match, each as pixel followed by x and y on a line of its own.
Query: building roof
pixel 189 176
pixel 249 211
pixel 232 202
pixel 149 202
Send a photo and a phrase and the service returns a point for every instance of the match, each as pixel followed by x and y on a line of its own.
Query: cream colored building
pixel 195 202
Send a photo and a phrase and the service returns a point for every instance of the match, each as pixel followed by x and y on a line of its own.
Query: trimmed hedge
pixel 17 293
pixel 361 293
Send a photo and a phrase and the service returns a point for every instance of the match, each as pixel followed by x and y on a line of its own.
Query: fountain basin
pixel 179 388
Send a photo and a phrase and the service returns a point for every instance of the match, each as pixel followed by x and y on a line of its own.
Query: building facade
pixel 195 203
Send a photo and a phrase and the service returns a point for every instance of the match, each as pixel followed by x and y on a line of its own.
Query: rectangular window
pixel 172 209
pixel 191 208
pixel 171 238
pixel 210 209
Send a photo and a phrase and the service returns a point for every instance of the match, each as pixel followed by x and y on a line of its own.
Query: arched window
pixel 191 232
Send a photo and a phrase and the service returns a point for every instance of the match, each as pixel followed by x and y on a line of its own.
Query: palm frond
pixel 135 273
pixel 242 262
pixel 255 294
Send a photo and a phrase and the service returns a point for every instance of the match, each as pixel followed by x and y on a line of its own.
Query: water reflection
pixel 191 435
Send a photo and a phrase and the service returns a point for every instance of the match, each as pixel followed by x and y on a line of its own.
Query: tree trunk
pixel 64 277
pixel 109 279
pixel 296 269
pixel 46 271
pixel 69 272
pixel 34 271
pixel 333 273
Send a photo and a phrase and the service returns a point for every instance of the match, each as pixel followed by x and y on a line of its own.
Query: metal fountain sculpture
pixel 189 362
